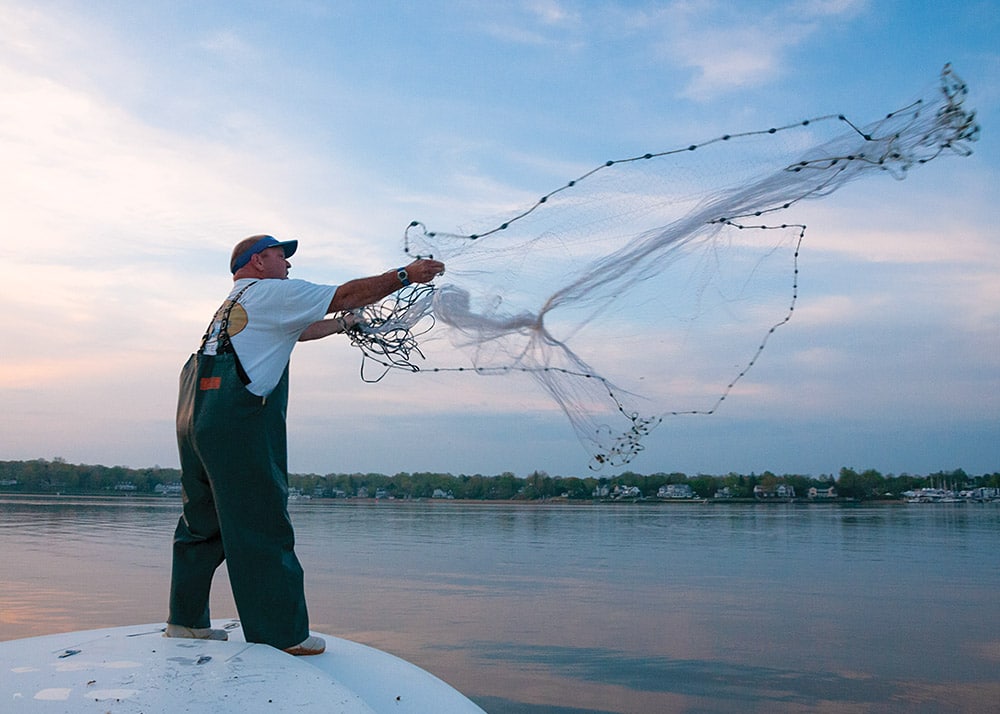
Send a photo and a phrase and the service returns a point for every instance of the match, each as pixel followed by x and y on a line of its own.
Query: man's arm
pixel 325 328
pixel 365 291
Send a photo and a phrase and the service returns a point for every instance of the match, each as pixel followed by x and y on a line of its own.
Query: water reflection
pixel 624 608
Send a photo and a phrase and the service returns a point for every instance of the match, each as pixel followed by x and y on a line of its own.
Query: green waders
pixel 235 479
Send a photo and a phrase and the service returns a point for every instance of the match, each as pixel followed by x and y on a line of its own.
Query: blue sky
pixel 142 140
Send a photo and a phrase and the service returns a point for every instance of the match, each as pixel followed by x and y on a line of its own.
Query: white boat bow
pixel 135 670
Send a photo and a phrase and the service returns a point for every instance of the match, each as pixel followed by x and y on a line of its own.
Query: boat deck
pixel 135 670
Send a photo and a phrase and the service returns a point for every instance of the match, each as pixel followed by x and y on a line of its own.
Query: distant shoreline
pixel 43 477
pixel 444 502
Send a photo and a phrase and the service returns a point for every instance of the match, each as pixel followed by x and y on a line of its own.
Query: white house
pixel 782 491
pixel 820 493
pixel 626 492
pixel 675 490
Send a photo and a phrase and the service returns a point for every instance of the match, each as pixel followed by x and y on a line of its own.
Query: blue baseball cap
pixel 263 243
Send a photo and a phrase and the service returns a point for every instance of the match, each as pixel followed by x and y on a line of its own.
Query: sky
pixel 141 141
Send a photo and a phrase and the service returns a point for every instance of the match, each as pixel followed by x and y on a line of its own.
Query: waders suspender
pixel 224 344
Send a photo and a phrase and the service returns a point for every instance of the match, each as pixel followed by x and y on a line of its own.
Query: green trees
pixel 862 486
pixel 57 476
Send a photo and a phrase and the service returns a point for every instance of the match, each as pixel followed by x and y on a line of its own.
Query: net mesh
pixel 648 286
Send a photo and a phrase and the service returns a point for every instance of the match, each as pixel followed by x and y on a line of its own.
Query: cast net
pixel 648 286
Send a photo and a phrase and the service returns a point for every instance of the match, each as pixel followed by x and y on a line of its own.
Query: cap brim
pixel 289 246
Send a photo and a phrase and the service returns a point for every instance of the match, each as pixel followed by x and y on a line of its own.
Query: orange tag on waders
pixel 208 383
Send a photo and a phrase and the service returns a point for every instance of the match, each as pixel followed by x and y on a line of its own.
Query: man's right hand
pixel 424 270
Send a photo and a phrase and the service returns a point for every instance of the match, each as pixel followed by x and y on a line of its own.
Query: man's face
pixel 274 263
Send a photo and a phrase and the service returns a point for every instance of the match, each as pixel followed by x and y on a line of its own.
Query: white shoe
pixel 309 646
pixel 195 633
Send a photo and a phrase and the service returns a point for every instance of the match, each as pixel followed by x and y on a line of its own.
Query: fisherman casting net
pixel 648 286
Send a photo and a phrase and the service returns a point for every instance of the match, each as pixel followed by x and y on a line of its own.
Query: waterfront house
pixel 675 490
pixel 626 492
pixel 782 491
pixel 821 493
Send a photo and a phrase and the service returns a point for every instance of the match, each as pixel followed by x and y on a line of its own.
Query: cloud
pixel 552 12
pixel 230 46
pixel 90 179
pixel 735 46
pixel 828 8
pixel 122 231
pixel 532 23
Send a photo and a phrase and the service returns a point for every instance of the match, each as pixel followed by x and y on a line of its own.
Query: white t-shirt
pixel 266 323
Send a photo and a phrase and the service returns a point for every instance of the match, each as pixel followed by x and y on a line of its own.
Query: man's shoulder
pixel 279 286
pixel 296 287
pixel 290 293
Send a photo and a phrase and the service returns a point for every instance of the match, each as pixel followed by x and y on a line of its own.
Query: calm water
pixel 599 608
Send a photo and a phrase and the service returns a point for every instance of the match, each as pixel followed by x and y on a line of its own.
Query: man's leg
pixel 197 552
pixel 197 546
pixel 245 458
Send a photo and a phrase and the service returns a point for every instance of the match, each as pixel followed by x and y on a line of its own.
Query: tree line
pixel 58 476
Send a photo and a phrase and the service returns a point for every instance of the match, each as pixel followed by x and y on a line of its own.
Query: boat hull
pixel 135 669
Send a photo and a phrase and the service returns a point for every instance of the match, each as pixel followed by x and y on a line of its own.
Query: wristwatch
pixel 403 277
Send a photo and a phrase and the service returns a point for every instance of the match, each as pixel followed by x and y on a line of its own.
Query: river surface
pixel 561 609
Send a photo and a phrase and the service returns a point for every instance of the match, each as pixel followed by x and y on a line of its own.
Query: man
pixel 232 442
